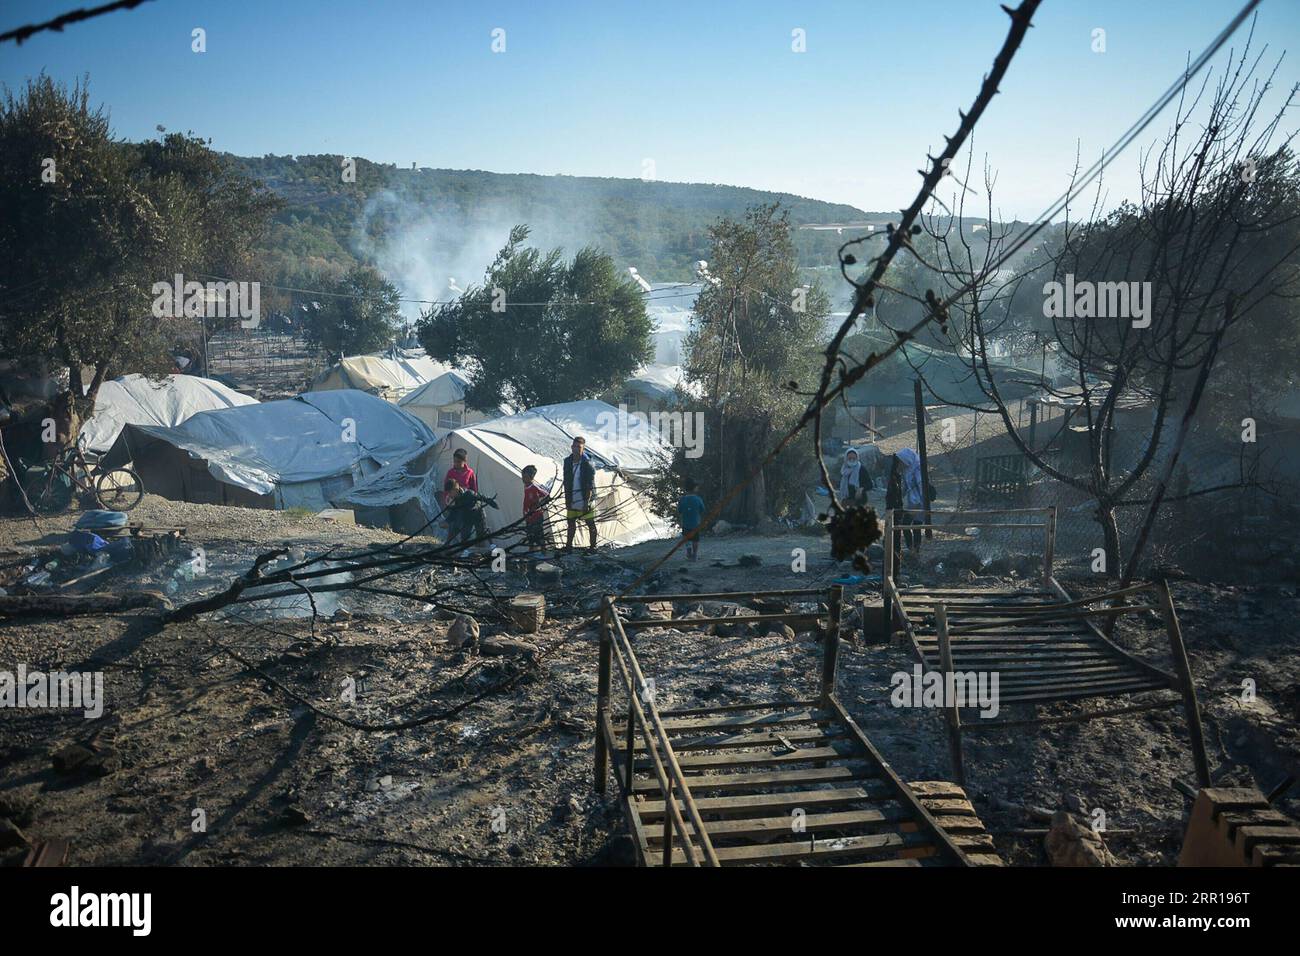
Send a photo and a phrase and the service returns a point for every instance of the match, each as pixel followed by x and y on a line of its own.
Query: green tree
pixel 361 313
pixel 539 330
pixel 757 330
pixel 88 225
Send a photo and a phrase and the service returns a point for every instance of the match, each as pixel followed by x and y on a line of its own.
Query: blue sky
pixel 710 91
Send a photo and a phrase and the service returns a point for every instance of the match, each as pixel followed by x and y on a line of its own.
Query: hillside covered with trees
pixel 331 223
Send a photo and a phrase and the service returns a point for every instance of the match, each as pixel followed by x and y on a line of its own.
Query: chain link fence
pixel 1246 529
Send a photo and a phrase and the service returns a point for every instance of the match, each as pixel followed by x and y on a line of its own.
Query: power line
pixel 74 16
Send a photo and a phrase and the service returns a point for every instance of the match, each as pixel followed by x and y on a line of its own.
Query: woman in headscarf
pixel 853 478
pixel 905 490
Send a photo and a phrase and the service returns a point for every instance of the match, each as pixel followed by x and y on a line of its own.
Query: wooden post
pixel 925 460
pixel 602 695
pixel 1049 546
pixel 831 647
pixel 950 704
pixel 668 824
pixel 887 574
pixel 631 738
pixel 1184 671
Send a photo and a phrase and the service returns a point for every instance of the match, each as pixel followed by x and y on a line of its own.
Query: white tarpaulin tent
pixel 135 400
pixel 440 403
pixel 302 452
pixel 499 449
pixel 620 440
pixel 391 375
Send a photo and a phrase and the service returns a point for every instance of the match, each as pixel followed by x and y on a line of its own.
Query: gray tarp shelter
pixel 304 452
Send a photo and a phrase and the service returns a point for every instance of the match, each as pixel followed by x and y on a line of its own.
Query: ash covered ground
pixel 228 719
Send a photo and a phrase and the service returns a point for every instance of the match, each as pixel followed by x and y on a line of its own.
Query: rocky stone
pixel 70 758
pixel 508 647
pixel 659 610
pixel 1070 843
pixel 784 631
pixel 463 631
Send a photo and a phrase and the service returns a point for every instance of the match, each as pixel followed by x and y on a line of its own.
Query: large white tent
pixel 136 400
pixel 303 452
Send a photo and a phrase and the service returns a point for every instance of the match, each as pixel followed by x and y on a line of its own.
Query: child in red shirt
pixel 462 472
pixel 535 497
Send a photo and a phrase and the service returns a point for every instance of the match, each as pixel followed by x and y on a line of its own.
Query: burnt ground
pixel 189 727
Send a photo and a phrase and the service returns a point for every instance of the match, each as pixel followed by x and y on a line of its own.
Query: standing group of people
pixel 462 504
pixel 905 491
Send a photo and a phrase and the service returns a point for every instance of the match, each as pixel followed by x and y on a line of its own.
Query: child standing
pixel 690 511
pixel 461 472
pixel 464 513
pixel 535 497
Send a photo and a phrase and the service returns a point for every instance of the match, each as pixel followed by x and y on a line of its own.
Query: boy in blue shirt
pixel 690 511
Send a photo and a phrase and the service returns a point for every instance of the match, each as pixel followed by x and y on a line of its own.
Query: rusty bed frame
pixel 781 782
pixel 1044 645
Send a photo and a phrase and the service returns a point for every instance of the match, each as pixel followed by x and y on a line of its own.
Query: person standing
pixel 853 478
pixel 690 511
pixel 905 490
pixel 580 492
pixel 461 473
pixel 464 511
pixel 535 498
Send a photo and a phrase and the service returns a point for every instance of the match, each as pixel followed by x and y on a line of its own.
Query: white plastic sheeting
pixel 445 395
pixel 615 438
pixel 391 375
pixel 135 400
pixel 447 389
pixel 316 436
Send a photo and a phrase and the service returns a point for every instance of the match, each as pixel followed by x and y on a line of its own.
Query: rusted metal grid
pixel 1044 645
pixel 782 782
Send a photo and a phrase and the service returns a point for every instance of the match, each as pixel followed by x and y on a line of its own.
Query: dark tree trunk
pixel 742 440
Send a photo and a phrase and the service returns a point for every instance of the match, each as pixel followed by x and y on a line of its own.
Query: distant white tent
pixel 671 307
pixel 390 375
pixel 135 400
pixel 440 403
pixel 303 452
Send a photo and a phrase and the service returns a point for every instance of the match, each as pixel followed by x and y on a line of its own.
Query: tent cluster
pixel 192 439
pixel 406 494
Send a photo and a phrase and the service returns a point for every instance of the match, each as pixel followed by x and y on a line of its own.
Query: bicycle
pixel 51 486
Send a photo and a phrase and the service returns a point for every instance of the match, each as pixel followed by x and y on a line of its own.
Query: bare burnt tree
pixel 1138 304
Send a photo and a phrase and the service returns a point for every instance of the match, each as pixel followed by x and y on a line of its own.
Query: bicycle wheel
pixel 50 494
pixel 119 490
